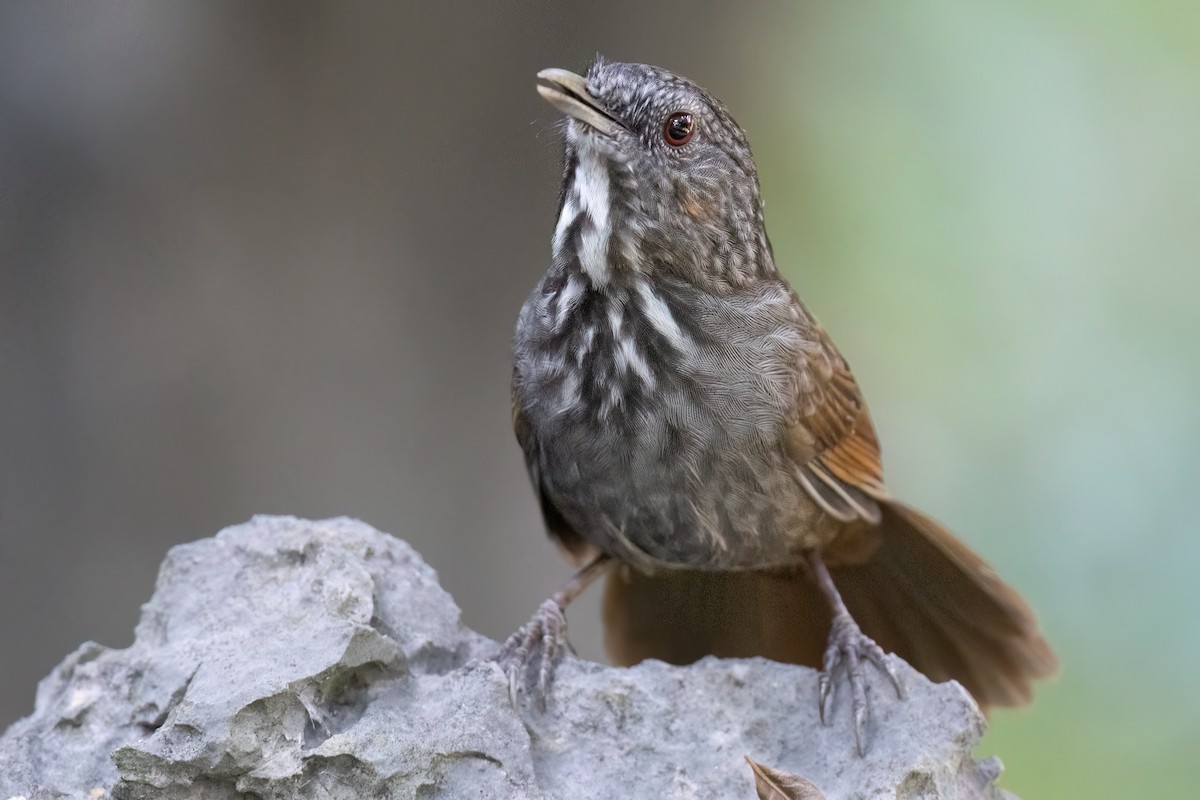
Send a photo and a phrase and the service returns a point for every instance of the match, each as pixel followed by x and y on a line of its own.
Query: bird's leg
pixel 549 627
pixel 848 648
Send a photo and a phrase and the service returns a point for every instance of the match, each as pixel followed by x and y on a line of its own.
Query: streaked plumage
pixel 682 413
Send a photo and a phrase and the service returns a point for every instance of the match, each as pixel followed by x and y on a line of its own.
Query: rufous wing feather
pixel 832 441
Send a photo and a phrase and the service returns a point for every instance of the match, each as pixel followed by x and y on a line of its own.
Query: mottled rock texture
pixel 293 659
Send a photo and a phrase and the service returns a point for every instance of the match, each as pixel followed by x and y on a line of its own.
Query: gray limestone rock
pixel 294 659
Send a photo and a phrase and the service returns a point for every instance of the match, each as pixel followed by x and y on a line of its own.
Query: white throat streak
pixel 589 196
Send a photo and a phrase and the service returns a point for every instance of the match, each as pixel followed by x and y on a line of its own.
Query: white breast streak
pixel 591 183
pixel 568 396
pixel 639 365
pixel 569 211
pixel 660 316
pixel 589 334
pixel 566 300
pixel 627 355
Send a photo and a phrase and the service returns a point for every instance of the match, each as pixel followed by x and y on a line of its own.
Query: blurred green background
pixel 266 257
pixel 996 210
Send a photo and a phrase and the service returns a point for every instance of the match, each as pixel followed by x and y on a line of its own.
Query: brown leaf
pixel 774 784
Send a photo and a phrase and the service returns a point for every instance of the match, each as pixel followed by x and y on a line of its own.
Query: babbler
pixel 685 418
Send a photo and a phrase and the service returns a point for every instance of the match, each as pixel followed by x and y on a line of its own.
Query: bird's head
pixel 658 178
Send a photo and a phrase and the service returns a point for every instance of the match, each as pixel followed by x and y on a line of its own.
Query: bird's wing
pixel 578 550
pixel 832 440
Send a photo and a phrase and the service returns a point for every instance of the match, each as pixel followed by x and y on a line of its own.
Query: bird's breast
pixel 658 413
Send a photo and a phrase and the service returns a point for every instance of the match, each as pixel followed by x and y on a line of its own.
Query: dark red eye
pixel 678 129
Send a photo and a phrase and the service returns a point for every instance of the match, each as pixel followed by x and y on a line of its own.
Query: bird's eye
pixel 678 129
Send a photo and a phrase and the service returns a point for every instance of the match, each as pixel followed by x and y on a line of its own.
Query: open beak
pixel 568 92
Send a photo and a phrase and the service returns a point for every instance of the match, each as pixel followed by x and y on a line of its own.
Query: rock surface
pixel 294 659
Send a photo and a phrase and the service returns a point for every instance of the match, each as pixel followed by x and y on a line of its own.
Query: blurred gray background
pixel 265 257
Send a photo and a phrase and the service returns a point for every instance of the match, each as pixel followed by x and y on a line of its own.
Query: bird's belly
pixel 665 496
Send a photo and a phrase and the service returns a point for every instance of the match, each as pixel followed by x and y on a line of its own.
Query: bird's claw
pixel 848 649
pixel 548 626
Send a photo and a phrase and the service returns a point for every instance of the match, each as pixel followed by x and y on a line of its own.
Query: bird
pixel 692 433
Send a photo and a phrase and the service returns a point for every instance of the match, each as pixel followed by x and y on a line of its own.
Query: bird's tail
pixel 923 595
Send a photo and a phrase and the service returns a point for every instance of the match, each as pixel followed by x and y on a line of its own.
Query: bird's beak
pixel 568 92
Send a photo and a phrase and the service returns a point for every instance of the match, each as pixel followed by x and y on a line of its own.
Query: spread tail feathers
pixel 923 595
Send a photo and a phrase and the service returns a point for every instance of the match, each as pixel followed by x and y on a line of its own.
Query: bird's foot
pixel 849 648
pixel 548 627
